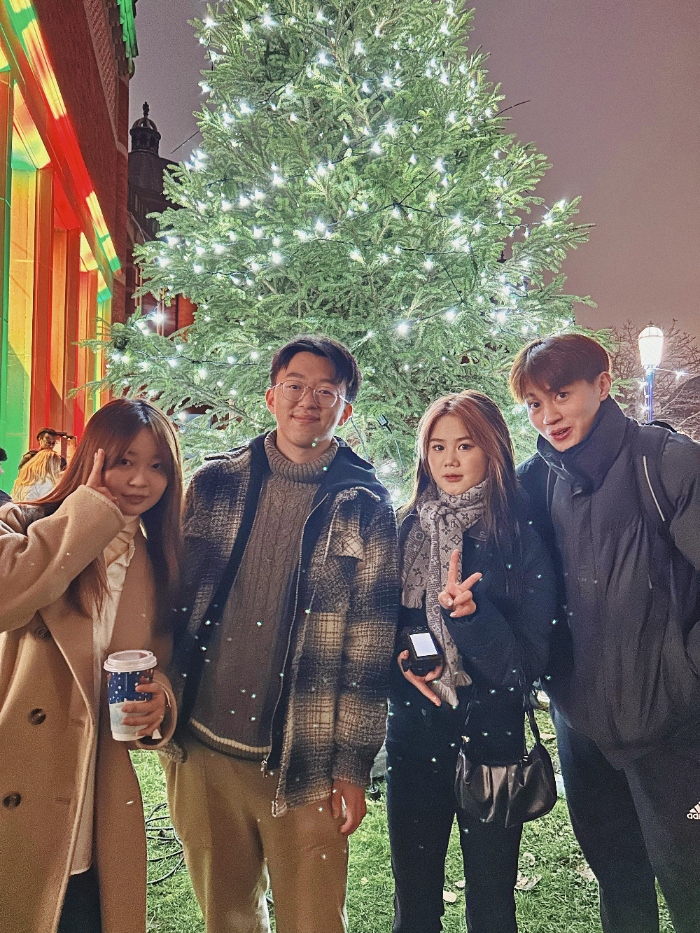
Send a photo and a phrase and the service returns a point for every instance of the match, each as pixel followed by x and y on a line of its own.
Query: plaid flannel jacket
pixel 343 631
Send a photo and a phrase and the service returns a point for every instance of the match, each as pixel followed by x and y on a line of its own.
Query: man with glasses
pixel 290 606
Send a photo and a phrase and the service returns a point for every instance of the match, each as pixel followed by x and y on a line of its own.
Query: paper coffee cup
pixel 127 669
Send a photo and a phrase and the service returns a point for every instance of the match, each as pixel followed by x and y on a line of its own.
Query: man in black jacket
pixel 625 679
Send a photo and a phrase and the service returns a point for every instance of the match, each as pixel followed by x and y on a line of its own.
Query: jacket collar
pixel 346 471
pixel 585 466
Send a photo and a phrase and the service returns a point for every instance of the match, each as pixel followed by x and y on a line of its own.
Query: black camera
pixel 424 654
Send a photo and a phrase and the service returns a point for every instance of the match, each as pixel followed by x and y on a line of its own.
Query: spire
pixel 144 134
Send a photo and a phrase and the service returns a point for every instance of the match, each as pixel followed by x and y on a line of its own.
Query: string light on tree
pixel 355 177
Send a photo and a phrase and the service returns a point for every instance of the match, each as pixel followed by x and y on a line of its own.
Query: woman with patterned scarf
pixel 464 522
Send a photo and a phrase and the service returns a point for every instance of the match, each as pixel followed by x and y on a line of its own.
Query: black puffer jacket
pixel 632 597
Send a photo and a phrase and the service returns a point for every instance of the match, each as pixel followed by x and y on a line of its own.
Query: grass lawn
pixel 563 898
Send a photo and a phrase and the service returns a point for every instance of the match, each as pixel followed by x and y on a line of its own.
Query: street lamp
pixel 651 348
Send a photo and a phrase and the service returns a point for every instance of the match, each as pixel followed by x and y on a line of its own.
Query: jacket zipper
pixel 263 765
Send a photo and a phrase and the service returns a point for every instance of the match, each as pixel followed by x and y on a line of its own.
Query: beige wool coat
pixel 47 723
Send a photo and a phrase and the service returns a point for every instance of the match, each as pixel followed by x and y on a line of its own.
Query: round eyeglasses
pixel 295 391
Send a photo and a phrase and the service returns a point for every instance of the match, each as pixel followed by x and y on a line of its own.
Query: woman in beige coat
pixel 79 581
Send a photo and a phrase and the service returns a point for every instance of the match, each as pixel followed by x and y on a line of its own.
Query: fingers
pixel 353 818
pixel 96 480
pixel 453 569
pixel 445 600
pixel 449 596
pixel 145 707
pixel 336 804
pixel 150 686
pixel 146 714
pixel 352 798
pixel 462 601
pixel 464 605
pixel 427 692
pixel 471 581
pixel 140 717
pixel 145 726
pixel 421 685
pixel 95 477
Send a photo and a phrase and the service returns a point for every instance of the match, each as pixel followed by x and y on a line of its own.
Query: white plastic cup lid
pixel 126 661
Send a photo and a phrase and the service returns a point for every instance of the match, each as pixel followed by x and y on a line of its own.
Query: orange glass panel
pixel 41 325
pixel 26 130
pixel 85 362
pixel 21 298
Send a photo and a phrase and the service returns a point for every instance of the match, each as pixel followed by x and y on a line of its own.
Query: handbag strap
pixel 527 705
pixel 468 713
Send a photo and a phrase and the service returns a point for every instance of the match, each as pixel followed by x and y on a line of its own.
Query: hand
pixel 458 596
pixel 421 683
pixel 352 798
pixel 95 480
pixel 148 714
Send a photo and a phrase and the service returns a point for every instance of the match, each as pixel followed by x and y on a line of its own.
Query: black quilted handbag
pixel 512 794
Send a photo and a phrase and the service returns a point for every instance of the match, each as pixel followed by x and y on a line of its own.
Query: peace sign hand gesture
pixel 458 596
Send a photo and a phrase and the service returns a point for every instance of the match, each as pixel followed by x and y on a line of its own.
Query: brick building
pixel 146 167
pixel 64 103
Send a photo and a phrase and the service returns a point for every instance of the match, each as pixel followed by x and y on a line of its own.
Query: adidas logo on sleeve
pixel 694 814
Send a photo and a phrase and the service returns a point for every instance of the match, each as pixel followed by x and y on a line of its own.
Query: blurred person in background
pixel 46 439
pixel 37 477
pixel 4 496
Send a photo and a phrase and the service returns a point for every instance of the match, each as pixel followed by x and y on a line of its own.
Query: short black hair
pixel 345 368
pixel 3 455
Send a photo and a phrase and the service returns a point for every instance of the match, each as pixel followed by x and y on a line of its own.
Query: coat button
pixel 11 801
pixel 37 716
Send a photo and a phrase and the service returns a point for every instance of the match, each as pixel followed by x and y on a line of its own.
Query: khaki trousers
pixel 221 809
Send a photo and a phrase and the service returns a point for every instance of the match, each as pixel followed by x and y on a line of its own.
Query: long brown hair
pixel 113 428
pixel 483 421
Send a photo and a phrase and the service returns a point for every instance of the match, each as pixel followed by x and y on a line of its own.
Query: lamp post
pixel 651 348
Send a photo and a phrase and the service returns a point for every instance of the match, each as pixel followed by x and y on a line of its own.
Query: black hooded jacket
pixel 627 672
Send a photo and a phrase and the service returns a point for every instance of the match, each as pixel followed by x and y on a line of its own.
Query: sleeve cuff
pixel 103 500
pixel 348 767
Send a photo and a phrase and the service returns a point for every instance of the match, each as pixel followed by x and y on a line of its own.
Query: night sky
pixel 613 89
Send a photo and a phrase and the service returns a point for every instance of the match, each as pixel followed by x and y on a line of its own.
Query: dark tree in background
pixel 355 177
pixel 676 382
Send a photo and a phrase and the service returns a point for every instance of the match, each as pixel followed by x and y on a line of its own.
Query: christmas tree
pixel 355 178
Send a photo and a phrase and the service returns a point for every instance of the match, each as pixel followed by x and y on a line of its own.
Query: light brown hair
pixel 554 362
pixel 486 426
pixel 45 464
pixel 113 428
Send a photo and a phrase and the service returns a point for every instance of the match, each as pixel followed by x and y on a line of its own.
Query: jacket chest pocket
pixel 345 551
